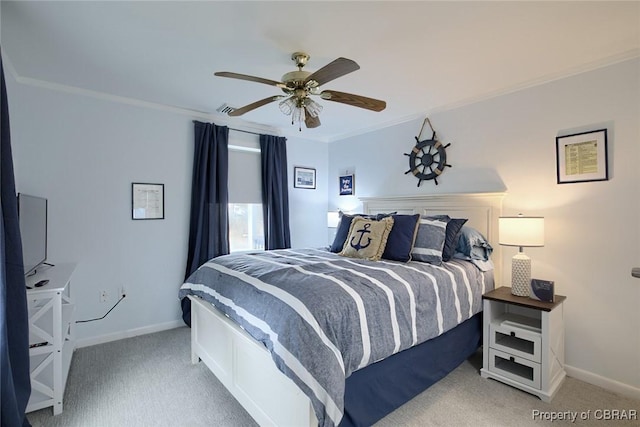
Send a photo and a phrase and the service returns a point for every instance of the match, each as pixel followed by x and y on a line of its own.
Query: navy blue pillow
pixel 454 225
pixel 451 240
pixel 401 238
pixel 342 231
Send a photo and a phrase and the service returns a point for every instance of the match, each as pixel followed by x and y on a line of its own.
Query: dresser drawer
pixel 518 369
pixel 516 341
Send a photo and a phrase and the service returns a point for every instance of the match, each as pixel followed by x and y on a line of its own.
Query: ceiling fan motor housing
pixel 296 80
pixel 295 77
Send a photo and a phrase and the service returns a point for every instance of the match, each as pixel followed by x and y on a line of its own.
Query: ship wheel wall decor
pixel 428 158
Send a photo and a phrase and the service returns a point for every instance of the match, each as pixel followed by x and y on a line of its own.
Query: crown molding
pixel 219 119
pixel 379 126
pixel 259 128
pixel 591 66
pixel 570 72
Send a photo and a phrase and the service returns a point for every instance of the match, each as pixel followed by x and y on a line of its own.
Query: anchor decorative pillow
pixel 367 238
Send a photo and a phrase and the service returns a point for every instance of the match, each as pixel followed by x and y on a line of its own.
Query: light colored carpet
pixel 143 381
pixel 149 381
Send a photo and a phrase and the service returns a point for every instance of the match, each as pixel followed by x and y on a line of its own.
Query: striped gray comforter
pixel 323 316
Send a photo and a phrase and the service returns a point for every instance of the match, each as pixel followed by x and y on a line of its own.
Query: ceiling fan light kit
pixel 298 87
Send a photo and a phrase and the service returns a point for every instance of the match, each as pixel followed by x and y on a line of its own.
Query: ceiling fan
pixel 298 87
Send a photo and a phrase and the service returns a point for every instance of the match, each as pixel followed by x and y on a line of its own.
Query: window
pixel 246 229
pixel 245 193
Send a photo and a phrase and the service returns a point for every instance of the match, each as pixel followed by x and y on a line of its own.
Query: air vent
pixel 225 109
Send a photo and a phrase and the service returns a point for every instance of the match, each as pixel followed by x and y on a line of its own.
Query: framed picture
pixel 304 177
pixel 582 157
pixel 147 201
pixel 346 185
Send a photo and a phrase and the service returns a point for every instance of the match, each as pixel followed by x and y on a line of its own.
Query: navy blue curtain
pixel 209 227
pixel 275 193
pixel 14 323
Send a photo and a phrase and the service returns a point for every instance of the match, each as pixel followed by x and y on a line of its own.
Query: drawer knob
pixel 513 334
pixel 513 359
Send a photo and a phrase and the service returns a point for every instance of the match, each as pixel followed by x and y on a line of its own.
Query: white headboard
pixel 481 209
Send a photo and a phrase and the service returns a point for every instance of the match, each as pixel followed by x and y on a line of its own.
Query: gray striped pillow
pixel 429 240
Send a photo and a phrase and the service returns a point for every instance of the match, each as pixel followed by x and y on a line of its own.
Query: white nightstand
pixel 523 342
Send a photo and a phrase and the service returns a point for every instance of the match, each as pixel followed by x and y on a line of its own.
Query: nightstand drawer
pixel 516 341
pixel 523 371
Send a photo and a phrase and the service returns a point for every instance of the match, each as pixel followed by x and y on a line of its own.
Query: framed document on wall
pixel 147 201
pixel 582 157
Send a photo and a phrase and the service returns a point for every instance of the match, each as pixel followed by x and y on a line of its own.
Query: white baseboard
pixel 606 383
pixel 86 342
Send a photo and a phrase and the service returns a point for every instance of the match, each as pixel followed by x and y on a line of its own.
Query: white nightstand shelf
pixel 523 342
pixel 51 335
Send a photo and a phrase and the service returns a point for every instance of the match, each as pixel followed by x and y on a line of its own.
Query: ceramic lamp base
pixel 520 275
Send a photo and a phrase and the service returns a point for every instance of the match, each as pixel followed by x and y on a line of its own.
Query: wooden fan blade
pixel 310 121
pixel 250 78
pixel 240 111
pixel 333 70
pixel 354 100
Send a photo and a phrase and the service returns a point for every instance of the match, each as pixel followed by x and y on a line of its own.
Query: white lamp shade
pixel 332 219
pixel 521 231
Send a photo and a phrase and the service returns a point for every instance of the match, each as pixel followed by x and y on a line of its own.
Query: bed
pixel 261 321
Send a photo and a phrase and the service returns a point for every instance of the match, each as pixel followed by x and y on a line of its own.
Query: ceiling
pixel 420 57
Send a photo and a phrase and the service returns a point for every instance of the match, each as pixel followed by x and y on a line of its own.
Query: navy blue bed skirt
pixel 379 389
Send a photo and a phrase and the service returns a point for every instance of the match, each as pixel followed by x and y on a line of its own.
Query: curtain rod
pixel 245 131
pixel 237 130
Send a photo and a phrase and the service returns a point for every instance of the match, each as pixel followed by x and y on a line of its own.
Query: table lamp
pixel 523 232
pixel 333 218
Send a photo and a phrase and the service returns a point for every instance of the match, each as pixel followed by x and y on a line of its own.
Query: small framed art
pixel 304 177
pixel 582 157
pixel 147 201
pixel 346 185
pixel 542 290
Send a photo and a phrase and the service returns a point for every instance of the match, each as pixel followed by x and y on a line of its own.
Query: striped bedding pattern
pixel 323 316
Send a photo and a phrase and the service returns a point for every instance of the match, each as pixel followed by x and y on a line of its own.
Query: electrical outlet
pixel 104 296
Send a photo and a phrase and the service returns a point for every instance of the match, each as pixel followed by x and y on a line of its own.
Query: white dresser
pixel 51 335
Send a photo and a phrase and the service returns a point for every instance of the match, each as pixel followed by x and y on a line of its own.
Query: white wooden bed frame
pixel 244 366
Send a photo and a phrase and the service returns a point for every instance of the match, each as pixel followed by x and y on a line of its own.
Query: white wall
pixel 307 207
pixel 82 153
pixel 592 229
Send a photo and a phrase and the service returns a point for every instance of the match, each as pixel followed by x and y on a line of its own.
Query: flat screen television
pixel 32 214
